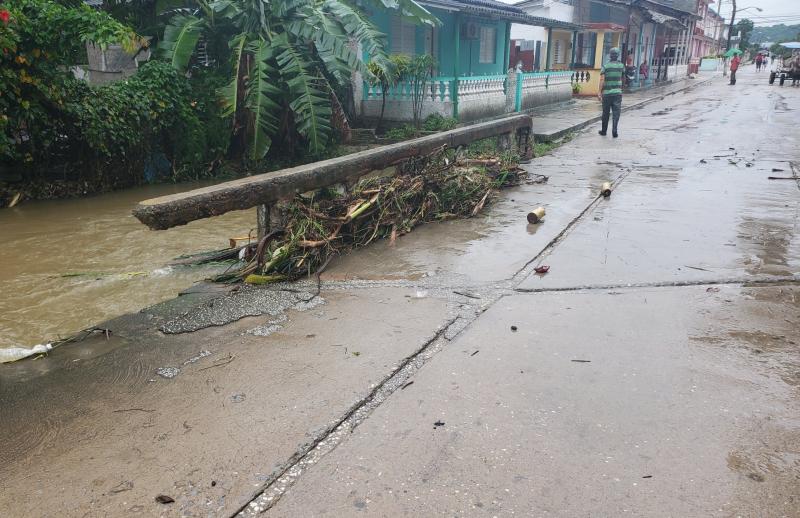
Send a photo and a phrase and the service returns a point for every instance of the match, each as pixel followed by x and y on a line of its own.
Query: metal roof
pixel 663 19
pixel 686 6
pixel 682 8
pixel 499 10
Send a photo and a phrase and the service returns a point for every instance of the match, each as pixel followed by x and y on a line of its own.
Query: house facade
pixel 708 34
pixel 647 31
pixel 471 48
pixel 540 48
pixel 494 58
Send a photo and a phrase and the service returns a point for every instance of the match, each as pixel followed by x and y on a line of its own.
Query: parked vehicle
pixel 779 71
pixel 783 70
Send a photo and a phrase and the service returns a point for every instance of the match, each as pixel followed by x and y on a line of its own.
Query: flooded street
pixel 70 264
pixel 653 370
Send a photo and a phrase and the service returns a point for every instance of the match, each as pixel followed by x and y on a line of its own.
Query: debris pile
pixel 324 223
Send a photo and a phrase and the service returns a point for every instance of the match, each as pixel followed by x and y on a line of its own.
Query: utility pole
pixel 730 27
pixel 718 27
pixel 728 46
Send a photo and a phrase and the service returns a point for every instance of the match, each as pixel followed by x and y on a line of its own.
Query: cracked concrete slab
pixel 659 403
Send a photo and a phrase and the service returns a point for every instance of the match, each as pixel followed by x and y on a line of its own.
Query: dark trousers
pixel 612 103
pixel 733 77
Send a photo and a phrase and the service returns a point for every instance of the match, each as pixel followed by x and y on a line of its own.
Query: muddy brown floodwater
pixel 69 264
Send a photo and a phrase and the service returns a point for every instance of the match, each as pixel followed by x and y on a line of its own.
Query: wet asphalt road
pixel 654 371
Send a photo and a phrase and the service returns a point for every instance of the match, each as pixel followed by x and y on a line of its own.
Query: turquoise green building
pixel 471 48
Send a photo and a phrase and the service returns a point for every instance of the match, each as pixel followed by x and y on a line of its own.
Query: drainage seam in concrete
pixel 755 282
pixel 367 403
pixel 561 235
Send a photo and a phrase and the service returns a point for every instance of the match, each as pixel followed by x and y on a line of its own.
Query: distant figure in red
pixel 644 70
pixel 734 67
pixel 759 62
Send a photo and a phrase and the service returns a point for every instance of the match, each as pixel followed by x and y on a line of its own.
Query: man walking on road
pixel 611 91
pixel 734 67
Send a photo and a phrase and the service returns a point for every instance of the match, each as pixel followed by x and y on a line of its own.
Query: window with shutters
pixel 488 52
pixel 404 39
pixel 557 52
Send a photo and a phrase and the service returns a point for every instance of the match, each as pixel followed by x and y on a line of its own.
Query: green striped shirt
pixel 612 71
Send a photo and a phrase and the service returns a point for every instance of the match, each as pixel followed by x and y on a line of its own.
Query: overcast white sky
pixel 774 11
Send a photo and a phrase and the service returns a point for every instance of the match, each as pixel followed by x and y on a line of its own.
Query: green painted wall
pixel 470 49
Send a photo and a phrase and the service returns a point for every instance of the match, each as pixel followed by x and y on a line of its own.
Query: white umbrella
pixel 790 44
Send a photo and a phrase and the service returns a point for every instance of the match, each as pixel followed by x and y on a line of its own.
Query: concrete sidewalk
pixel 554 121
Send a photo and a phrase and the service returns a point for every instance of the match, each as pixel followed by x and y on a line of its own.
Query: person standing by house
pixel 611 91
pixel 734 67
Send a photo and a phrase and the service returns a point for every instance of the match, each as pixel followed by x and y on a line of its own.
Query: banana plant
pixel 286 59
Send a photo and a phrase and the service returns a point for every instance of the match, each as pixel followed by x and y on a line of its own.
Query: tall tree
pixel 745 27
pixel 286 59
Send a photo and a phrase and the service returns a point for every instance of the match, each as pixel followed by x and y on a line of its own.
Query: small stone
pixel 168 372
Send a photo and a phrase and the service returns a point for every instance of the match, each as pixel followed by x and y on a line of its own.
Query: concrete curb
pixel 549 137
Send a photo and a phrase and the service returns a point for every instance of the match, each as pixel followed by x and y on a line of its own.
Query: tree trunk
pixel 379 128
pixel 268 188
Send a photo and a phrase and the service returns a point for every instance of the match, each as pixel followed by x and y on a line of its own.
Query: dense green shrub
pixel 404 132
pixel 436 122
pixel 127 122
pixel 56 127
pixel 39 40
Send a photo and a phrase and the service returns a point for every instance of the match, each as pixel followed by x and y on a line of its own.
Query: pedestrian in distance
pixel 759 61
pixel 644 70
pixel 734 67
pixel 611 91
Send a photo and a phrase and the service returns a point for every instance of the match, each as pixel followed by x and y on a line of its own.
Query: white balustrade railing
pixel 472 86
pixel 440 89
pixel 436 89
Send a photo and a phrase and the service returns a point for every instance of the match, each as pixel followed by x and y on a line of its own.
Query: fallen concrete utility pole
pixel 267 189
